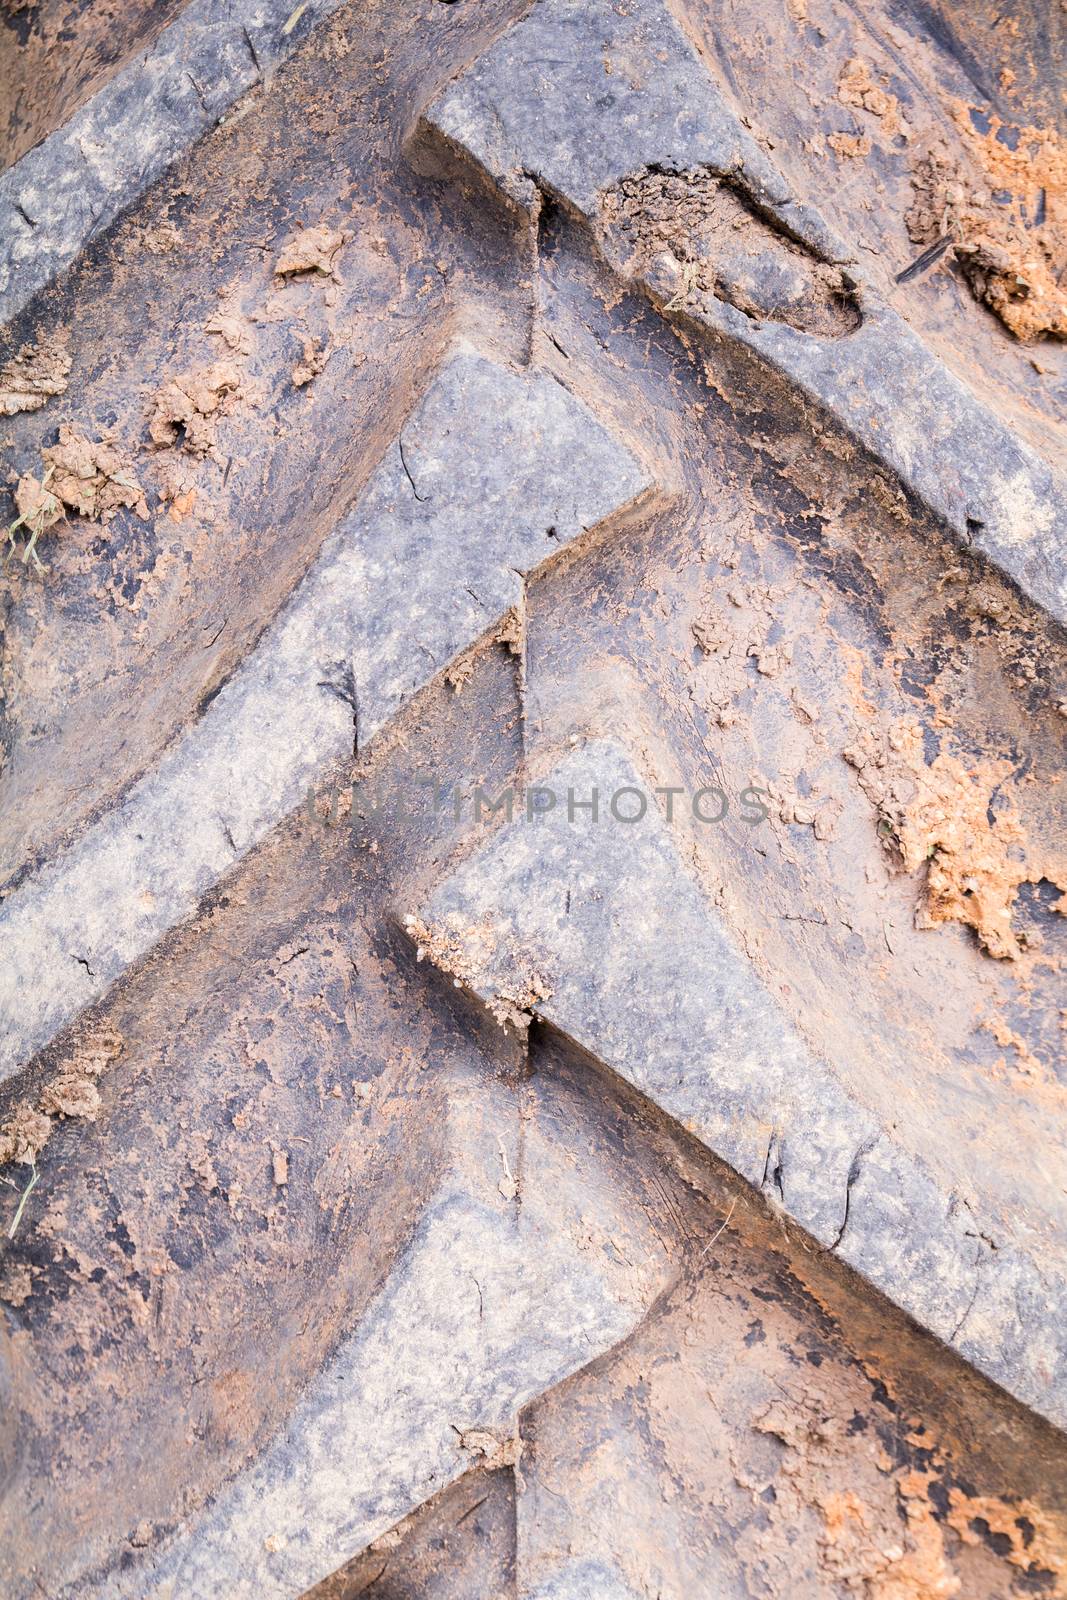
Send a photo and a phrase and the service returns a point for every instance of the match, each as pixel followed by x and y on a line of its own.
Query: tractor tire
pixel 532 850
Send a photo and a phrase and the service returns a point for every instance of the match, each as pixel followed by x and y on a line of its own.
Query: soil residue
pixel 730 636
pixel 72 1093
pixel 861 1543
pixel 24 1135
pixel 232 330
pixel 1006 216
pixel 32 377
pixel 694 237
pixel 1035 1543
pixel 852 146
pixel 857 87
pixel 941 816
pixel 186 409
pixel 311 362
pixel 38 510
pixel 468 955
pixel 93 480
pixel 310 250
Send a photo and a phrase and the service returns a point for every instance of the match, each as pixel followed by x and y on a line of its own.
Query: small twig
pixel 719 1229
pixel 407 469
pixel 30 1187
pixel 927 259
pixel 34 523
pixel 472 1509
pixel 252 50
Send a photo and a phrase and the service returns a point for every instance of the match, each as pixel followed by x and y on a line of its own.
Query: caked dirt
pixel 908 126
pixel 938 816
pixel 705 238
pixel 72 1093
pixel 39 371
pixel 1004 213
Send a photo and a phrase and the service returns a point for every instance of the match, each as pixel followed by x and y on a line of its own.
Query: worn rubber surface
pixel 531 816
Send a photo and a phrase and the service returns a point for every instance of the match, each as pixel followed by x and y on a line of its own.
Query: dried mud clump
pixel 38 509
pixel 1005 215
pixel 938 816
pixel 311 362
pixel 24 1135
pixel 94 480
pixel 71 1093
pixel 310 250
pixel 232 330
pixel 851 146
pixel 467 954
pixel 186 409
pixel 856 87
pixel 32 377
pixel 692 238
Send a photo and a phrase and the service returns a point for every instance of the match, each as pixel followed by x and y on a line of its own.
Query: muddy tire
pixel 532 731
